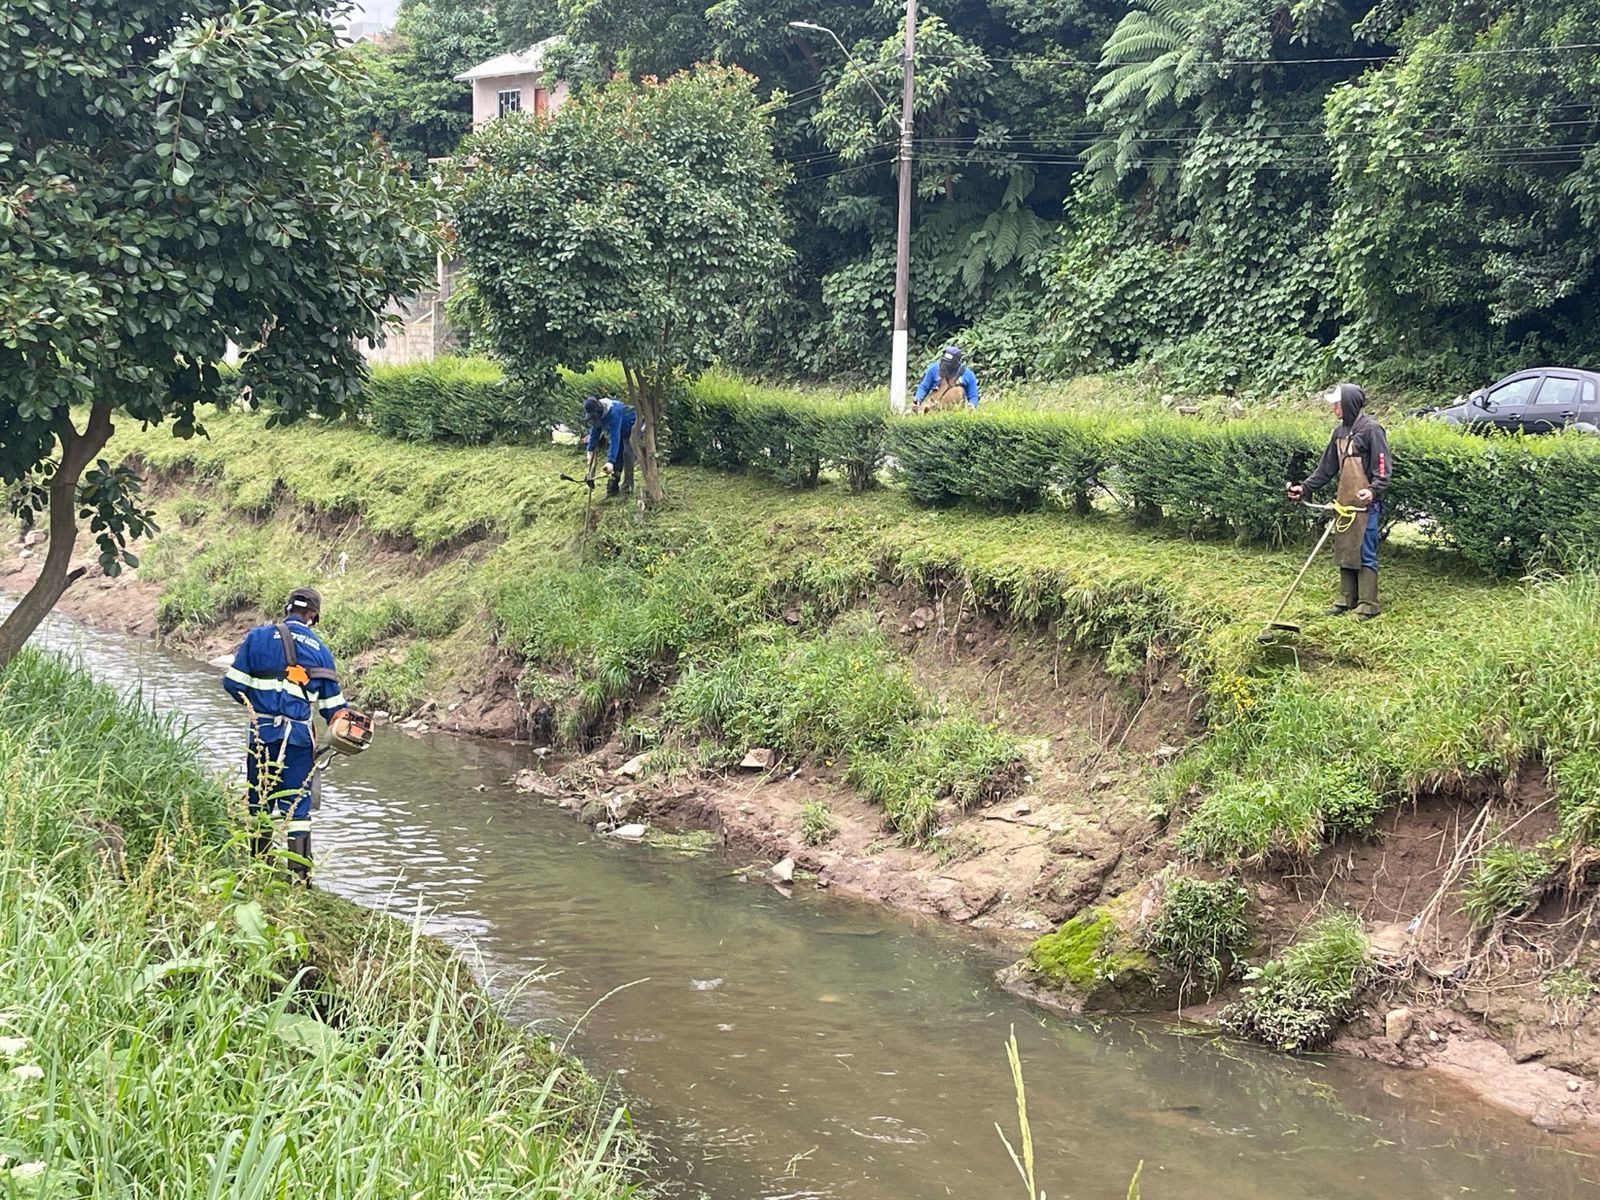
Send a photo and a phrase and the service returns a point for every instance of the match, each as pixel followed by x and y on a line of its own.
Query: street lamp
pixel 902 257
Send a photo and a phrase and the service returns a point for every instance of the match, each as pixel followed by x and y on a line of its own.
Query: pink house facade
pixel 512 83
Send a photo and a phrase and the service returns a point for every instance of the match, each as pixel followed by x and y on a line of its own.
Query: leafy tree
pixel 1468 185
pixel 411 99
pixel 171 180
pixel 635 223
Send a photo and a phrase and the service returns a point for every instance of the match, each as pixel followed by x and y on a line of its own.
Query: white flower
pixel 27 1170
pixel 10 1047
pixel 28 1071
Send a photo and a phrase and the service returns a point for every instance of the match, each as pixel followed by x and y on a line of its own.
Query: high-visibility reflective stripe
pixel 299 826
pixel 334 701
pixel 266 685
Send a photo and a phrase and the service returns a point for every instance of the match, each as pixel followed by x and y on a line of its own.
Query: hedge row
pixel 1504 503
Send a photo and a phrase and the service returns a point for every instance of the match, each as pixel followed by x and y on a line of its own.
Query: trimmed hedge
pixel 1505 503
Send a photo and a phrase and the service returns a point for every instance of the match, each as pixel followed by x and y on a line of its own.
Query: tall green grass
pixel 174 1021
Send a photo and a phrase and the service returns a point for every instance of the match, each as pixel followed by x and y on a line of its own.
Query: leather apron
pixel 1352 479
pixel 947 395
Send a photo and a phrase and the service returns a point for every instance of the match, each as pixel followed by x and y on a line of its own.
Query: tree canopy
pixel 636 223
pixel 1243 194
pixel 173 179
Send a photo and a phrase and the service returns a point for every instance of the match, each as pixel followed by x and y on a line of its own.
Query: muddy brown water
pixel 812 1047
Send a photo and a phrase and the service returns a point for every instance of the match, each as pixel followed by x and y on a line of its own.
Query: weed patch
pixel 1298 1000
pixel 1202 932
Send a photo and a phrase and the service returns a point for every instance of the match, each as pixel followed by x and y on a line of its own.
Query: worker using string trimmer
pixel 1358 456
pixel 282 673
pixel 616 422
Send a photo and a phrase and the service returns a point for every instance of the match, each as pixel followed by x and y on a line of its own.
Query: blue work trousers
pixel 1369 540
pixel 277 786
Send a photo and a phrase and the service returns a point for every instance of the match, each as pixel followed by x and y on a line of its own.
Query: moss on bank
pixel 177 1020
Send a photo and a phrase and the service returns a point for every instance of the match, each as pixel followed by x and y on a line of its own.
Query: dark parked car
pixel 1538 400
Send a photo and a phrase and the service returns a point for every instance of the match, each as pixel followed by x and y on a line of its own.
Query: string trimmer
pixel 1343 517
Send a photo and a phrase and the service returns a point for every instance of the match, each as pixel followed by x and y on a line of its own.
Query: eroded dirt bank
pixel 1077 831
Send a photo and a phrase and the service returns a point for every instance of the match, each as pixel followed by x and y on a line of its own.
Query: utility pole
pixel 902 257
pixel 900 353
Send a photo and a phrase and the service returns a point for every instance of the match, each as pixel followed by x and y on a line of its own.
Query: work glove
pixel 607 468
pixel 1295 492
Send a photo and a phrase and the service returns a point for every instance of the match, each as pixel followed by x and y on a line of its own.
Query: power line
pixel 1102 64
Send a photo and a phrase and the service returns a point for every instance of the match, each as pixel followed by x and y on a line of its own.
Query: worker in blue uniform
pixel 946 383
pixel 617 423
pixel 283 673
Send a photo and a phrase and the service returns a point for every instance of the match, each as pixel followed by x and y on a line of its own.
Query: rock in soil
pixel 628 833
pixel 631 768
pixel 1398 1024
pixel 758 759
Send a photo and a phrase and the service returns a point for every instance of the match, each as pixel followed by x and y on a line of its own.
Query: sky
pixel 375 10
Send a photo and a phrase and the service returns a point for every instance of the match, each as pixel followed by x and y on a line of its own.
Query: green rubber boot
pixel 1368 608
pixel 1348 589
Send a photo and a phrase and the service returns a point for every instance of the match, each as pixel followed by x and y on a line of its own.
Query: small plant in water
pixel 1298 1000
pixel 1202 931
pixel 817 823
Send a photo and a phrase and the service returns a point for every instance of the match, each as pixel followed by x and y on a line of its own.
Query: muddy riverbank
pixel 1078 829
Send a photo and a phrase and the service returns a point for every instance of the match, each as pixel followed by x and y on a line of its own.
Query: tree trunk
pixel 645 396
pixel 77 452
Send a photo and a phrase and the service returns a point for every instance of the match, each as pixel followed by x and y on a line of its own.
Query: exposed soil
pixel 1077 831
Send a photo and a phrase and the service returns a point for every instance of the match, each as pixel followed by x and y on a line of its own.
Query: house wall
pixel 486 94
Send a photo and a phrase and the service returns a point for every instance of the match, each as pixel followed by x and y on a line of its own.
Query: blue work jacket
pixel 930 380
pixel 616 425
pixel 260 677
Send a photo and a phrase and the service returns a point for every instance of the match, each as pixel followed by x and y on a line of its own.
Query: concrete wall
pixel 424 334
pixel 486 94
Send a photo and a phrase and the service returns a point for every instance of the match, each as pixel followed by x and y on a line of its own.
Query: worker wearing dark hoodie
pixel 1358 457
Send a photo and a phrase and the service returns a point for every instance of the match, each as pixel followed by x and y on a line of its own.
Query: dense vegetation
pixel 175 1020
pixel 1246 196
pixel 1506 505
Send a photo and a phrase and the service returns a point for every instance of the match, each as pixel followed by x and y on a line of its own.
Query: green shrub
pixel 1202 932
pixel 460 400
pixel 817 824
pixel 1298 1000
pixel 1503 880
pixel 1007 460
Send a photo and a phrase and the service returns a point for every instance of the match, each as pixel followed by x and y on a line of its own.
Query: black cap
pixel 303 600
pixel 593 410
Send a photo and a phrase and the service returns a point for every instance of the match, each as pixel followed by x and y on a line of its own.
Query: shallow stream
pixel 814 1047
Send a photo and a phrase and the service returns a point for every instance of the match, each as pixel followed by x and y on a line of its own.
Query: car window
pixel 1591 394
pixel 1560 392
pixel 1513 393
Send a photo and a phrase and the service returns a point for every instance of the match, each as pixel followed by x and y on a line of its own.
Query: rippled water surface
pixel 810 1047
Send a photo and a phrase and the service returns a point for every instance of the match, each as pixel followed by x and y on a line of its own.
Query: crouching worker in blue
pixel 1357 457
pixel 615 421
pixel 946 383
pixel 283 674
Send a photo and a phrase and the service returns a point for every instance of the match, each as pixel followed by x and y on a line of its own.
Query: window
pixel 1559 392
pixel 511 101
pixel 1591 395
pixel 1513 394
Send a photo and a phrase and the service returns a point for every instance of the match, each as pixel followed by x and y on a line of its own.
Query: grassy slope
pixel 1462 676
pixel 189 1025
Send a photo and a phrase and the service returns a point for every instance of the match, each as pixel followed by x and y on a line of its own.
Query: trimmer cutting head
pixel 1268 635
